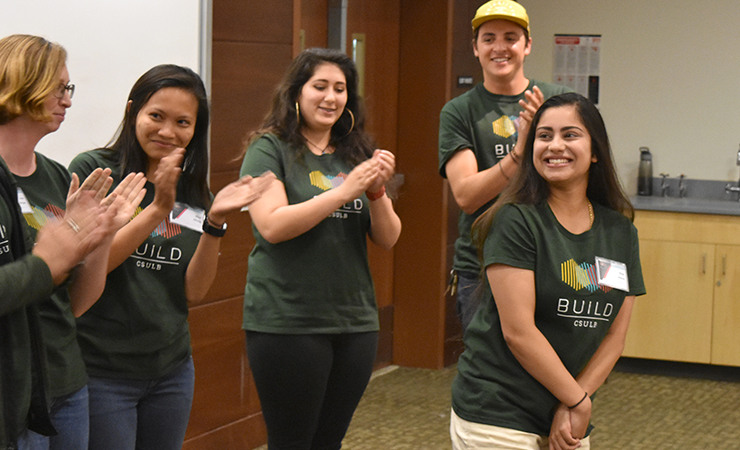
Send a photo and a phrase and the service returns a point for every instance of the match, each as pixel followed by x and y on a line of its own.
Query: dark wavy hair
pixel 352 144
pixel 528 187
pixel 126 150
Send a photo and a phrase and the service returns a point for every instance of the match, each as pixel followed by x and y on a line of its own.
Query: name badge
pixel 187 216
pixel 612 274
pixel 23 201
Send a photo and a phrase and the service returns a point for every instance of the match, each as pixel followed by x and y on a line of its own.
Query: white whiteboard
pixel 110 44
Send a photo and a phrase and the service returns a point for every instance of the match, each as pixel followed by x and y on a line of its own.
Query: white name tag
pixel 23 201
pixel 187 216
pixel 612 274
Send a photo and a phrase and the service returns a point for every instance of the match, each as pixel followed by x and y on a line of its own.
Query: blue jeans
pixel 468 297
pixel 141 414
pixel 70 416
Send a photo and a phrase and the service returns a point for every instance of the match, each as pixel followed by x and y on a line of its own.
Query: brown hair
pixel 29 66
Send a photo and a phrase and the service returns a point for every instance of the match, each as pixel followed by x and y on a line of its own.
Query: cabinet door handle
pixel 724 265
pixel 704 263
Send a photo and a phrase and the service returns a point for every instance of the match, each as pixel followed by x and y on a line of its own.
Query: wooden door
pixel 372 36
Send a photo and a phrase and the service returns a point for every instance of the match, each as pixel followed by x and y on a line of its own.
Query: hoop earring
pixel 353 121
pixel 297 113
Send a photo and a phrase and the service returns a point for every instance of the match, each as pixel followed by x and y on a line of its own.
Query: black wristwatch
pixel 213 231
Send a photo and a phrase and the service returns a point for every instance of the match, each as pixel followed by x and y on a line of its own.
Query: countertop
pixel 700 197
pixel 686 205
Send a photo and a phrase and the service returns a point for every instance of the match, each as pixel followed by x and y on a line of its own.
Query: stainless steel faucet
pixel 664 188
pixel 681 186
pixel 729 187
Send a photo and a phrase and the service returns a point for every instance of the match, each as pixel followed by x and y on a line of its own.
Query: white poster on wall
pixel 576 63
pixel 109 44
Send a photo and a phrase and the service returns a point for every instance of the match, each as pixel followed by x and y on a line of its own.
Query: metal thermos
pixel 645 173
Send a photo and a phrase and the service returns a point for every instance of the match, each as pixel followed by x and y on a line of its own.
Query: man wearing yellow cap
pixel 478 131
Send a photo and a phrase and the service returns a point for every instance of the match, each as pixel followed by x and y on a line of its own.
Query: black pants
pixel 310 385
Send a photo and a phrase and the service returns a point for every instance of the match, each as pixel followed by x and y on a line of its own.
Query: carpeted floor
pixel 644 405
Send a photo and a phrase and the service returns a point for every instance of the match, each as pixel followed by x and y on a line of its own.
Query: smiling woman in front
pixel 561 258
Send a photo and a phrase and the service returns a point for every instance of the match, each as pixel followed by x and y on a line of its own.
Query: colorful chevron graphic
pixel 326 182
pixel 40 217
pixel 504 126
pixel 165 229
pixel 581 276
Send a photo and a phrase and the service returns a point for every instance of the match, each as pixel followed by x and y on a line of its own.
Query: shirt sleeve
pixel 264 155
pixel 83 165
pixel 510 240
pixel 454 135
pixel 23 281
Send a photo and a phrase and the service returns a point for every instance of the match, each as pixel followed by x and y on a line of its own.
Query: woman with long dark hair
pixel 309 305
pixel 562 267
pixel 135 340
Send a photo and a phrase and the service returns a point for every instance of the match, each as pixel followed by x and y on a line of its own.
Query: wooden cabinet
pixel 691 267
pixel 726 329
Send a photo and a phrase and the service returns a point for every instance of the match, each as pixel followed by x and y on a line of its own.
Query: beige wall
pixel 669 71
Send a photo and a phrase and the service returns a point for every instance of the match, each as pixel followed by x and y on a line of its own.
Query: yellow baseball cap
pixel 501 9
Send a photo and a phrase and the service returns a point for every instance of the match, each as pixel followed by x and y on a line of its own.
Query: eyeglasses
pixel 59 93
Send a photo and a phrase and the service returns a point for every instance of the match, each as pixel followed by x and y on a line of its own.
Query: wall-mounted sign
pixel 576 63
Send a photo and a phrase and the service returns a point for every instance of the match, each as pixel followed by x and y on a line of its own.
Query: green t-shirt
pixel 318 282
pixel 487 124
pixel 572 311
pixel 44 196
pixel 138 329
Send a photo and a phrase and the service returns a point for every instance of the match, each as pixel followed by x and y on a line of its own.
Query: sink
pixel 702 197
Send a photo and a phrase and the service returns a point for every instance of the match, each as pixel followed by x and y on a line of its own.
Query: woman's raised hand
pixel 165 179
pixel 125 199
pixel 361 178
pixel 62 244
pixel 238 194
pixel 99 181
pixel 386 168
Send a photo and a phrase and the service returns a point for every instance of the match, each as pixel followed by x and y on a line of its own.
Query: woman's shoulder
pixel 90 160
pixel 520 210
pixel 101 156
pixel 612 218
pixel 268 139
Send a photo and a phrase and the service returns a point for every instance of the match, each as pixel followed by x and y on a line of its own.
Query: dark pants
pixel 310 385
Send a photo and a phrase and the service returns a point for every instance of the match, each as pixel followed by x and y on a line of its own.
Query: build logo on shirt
pixel 585 313
pixel 326 182
pixel 505 126
pixel 581 276
pixel 38 217
pixel 166 229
